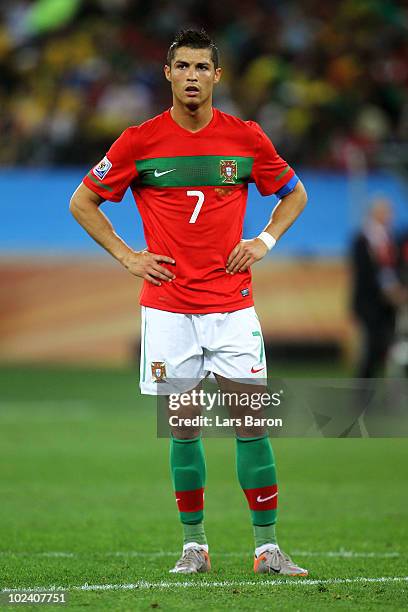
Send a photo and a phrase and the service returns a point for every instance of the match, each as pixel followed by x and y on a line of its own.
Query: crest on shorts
pixel 158 371
pixel 102 169
pixel 228 170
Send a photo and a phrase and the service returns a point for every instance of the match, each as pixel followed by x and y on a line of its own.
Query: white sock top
pixel 260 549
pixel 195 545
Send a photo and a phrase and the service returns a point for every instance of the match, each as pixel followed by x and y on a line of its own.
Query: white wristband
pixel 267 239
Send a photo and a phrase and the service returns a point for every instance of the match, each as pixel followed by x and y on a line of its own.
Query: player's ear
pixel 217 75
pixel 167 71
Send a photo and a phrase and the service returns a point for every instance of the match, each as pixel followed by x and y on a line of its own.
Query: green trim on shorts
pixel 144 348
pixel 262 352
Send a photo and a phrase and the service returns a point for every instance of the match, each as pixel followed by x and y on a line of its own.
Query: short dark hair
pixel 194 39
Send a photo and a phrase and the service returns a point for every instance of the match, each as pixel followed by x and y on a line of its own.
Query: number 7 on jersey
pixel 200 202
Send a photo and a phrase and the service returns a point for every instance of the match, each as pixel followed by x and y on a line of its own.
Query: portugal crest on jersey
pixel 228 170
pixel 158 371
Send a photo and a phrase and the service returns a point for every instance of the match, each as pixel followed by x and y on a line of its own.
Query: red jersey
pixel 191 191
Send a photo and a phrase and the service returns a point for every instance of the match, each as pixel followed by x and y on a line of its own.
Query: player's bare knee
pixel 184 422
pixel 185 434
pixel 250 432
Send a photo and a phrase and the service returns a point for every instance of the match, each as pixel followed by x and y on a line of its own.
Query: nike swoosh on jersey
pixel 157 173
pixel 260 499
pixel 255 371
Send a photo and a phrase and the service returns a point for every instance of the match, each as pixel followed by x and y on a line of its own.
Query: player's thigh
pixel 184 411
pixel 246 405
pixel 235 348
pixel 169 351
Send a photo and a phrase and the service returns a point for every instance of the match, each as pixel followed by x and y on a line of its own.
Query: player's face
pixel 192 76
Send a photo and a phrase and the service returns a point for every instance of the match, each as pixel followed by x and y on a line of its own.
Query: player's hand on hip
pixel 244 254
pixel 147 266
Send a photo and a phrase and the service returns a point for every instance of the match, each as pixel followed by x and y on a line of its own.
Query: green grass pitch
pixel 85 498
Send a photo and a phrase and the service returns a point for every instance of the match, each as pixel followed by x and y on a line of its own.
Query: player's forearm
pixel 287 211
pixel 98 226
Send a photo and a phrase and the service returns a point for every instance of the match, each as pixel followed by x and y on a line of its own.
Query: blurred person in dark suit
pixel 376 289
pixel 398 360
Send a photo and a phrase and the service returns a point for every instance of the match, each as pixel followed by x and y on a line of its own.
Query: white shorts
pixel 188 347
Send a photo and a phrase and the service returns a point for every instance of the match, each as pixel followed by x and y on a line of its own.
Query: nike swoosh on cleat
pixel 255 371
pixel 264 499
pixel 157 173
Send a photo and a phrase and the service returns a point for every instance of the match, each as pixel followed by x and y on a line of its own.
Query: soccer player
pixel 189 169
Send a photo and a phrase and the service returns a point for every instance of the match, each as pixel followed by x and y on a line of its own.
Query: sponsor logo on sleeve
pixel 102 169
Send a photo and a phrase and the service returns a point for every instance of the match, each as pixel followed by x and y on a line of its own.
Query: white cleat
pixel 274 561
pixel 193 560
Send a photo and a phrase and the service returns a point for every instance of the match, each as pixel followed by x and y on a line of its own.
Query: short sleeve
pixel 115 172
pixel 271 173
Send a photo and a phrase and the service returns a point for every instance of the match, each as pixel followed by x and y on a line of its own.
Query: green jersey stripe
pixel 194 170
pixel 89 175
pixel 277 178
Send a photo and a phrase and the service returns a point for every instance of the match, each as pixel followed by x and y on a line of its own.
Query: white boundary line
pixel 343 554
pixel 203 584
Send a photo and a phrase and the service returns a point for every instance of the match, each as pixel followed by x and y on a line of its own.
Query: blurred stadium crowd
pixel 319 76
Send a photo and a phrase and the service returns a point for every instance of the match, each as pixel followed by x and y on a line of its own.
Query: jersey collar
pixel 203 130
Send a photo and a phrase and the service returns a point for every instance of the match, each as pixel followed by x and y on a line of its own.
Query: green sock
pixel 194 533
pixel 264 534
pixel 257 476
pixel 188 470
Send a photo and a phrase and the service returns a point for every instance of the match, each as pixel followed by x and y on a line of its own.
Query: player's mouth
pixel 192 90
